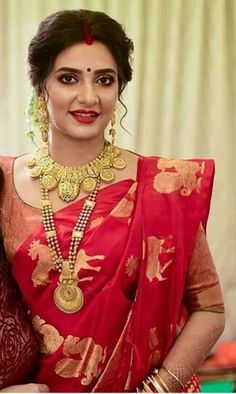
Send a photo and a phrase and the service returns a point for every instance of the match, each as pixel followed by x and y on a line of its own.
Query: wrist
pixel 171 378
pixel 154 384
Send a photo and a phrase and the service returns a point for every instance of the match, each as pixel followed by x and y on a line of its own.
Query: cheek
pixel 56 101
pixel 109 101
pixel 57 96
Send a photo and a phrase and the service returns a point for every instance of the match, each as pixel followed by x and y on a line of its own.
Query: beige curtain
pixel 181 102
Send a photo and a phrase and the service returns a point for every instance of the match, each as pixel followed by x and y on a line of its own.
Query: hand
pixel 26 388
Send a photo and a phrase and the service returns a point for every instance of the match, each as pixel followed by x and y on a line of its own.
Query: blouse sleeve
pixel 202 291
pixel 18 344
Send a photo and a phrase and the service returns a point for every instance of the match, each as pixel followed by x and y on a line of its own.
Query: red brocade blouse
pixel 143 266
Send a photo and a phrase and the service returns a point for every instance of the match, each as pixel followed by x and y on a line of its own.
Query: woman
pixel 107 247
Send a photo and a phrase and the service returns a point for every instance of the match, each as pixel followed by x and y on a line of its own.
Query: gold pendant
pixel 36 171
pixel 119 163
pixel 68 297
pixel 49 182
pixel 107 175
pixel 68 191
pixel 31 162
pixel 89 184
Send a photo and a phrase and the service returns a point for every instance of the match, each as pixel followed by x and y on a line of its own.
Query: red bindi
pixel 88 69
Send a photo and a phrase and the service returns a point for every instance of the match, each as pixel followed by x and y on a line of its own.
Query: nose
pixel 87 94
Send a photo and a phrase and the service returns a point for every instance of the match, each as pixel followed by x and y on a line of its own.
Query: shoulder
pixel 6 158
pixel 6 162
pixel 164 163
pixel 183 183
pixel 169 175
pixel 131 160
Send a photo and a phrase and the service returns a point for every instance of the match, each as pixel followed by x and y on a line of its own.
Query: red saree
pixel 132 266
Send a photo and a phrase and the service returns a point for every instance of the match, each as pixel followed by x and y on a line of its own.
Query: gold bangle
pixel 156 384
pixel 138 390
pixel 163 383
pixel 146 387
pixel 154 381
pixel 173 376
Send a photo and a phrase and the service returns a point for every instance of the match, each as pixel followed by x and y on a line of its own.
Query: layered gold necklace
pixel 70 180
pixel 68 296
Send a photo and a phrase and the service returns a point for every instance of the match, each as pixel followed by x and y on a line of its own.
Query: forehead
pixel 82 55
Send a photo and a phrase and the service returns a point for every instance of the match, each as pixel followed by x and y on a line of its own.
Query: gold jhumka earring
pixel 43 118
pixel 112 131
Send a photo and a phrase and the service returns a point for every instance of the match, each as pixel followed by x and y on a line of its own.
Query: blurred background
pixel 181 102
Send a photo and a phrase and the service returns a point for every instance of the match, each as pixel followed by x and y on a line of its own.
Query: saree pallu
pixel 131 265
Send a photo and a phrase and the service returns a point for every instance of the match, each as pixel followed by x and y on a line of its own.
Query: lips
pixel 84 116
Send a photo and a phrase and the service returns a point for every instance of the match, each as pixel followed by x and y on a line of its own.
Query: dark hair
pixel 65 28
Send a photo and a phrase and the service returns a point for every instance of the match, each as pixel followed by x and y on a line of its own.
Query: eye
pixel 105 80
pixel 68 79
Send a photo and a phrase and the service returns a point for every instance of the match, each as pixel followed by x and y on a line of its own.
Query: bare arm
pixel 204 300
pixel 192 347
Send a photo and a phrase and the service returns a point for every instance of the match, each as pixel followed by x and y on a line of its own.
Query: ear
pixel 44 94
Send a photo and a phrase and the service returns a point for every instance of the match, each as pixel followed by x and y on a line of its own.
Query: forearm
pixel 192 346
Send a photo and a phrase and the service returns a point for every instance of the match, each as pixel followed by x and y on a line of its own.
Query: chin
pixel 85 135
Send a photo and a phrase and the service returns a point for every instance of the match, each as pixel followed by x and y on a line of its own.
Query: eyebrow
pixel 77 71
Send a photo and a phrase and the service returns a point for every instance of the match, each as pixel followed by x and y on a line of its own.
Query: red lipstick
pixel 84 116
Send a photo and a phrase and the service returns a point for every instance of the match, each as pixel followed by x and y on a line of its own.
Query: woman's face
pixel 82 90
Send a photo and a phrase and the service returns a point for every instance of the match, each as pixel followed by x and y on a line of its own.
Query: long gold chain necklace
pixel 70 180
pixel 68 297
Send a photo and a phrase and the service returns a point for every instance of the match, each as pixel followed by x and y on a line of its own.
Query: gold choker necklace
pixel 70 180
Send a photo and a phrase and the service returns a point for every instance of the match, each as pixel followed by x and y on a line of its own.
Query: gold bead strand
pixel 81 225
pixel 49 228
pixel 68 296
